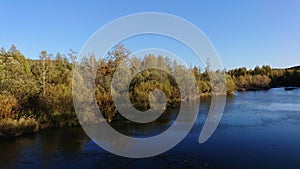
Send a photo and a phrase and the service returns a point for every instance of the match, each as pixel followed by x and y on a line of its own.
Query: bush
pixel 8 105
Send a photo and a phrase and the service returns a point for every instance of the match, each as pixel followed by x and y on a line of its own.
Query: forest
pixel 37 94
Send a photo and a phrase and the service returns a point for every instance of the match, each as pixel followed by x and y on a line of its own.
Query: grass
pixel 13 127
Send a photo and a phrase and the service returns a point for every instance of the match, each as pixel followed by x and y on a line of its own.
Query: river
pixel 258 130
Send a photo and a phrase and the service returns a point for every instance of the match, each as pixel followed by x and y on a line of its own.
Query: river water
pixel 258 130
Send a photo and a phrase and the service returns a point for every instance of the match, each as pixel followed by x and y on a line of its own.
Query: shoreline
pixel 25 126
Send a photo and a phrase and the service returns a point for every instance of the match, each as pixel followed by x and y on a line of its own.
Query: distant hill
pixel 294 68
pixel 290 68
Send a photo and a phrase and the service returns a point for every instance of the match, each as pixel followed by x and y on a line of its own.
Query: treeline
pixel 36 94
pixel 265 77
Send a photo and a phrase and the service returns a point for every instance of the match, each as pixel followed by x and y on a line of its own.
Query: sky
pixel 244 33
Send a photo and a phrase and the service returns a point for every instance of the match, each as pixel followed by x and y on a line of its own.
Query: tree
pixel 13 49
pixel 257 70
pixel 16 79
pixel 44 58
pixel 73 55
pixel 118 54
pixel 242 71
pixel 3 51
pixel 230 84
pixel 266 70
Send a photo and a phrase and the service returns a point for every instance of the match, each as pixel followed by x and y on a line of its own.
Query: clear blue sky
pixel 245 33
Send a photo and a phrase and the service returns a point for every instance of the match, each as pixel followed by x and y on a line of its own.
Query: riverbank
pixel 253 89
pixel 13 127
pixel 16 127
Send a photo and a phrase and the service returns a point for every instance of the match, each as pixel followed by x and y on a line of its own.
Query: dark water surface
pixel 259 130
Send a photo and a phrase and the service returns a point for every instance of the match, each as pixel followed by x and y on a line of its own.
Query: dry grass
pixel 13 127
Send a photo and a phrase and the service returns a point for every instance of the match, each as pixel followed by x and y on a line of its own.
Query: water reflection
pixel 125 145
pixel 144 130
pixel 30 148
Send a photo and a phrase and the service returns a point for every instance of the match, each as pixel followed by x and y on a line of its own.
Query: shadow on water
pixel 30 149
pixel 144 130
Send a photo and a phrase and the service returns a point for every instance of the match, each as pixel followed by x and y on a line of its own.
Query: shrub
pixel 8 105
